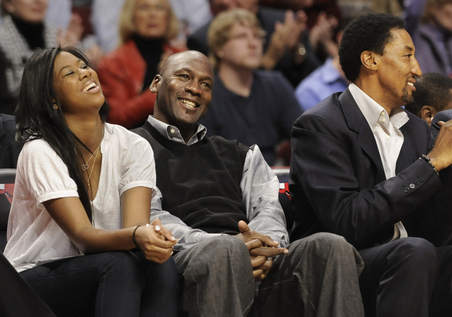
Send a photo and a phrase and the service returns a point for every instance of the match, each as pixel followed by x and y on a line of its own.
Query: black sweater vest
pixel 200 183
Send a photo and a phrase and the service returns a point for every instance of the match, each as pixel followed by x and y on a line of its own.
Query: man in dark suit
pixel 360 168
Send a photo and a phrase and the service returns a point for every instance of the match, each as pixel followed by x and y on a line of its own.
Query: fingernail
pixel 157 228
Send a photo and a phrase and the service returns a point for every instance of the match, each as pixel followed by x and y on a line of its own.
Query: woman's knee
pixel 163 275
pixel 123 263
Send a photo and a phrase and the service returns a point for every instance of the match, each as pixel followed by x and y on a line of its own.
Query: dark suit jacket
pixel 338 181
pixel 267 18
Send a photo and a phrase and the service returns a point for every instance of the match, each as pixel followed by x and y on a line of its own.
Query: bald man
pixel 220 200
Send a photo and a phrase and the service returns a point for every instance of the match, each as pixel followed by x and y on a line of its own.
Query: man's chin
pixel 407 98
pixel 188 124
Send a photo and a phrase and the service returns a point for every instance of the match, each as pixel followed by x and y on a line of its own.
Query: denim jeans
pixel 107 284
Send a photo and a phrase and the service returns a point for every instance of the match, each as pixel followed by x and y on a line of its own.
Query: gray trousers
pixel 319 277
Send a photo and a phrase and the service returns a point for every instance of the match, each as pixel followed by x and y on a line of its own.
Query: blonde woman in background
pixel 146 29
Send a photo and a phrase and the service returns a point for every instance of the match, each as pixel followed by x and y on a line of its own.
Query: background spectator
pixel 433 38
pixel 192 14
pixel 287 46
pixel 105 20
pixel 9 147
pixel 394 7
pixel 325 80
pixel 23 30
pixel 249 105
pixel 146 30
pixel 412 13
pixel 433 94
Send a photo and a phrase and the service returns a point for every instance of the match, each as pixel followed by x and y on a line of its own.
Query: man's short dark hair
pixel 432 89
pixel 370 32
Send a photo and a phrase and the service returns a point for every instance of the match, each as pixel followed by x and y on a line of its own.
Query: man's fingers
pixel 268 252
pixel 257 273
pixel 254 243
pixel 257 261
pixel 243 226
pixel 268 241
pixel 266 267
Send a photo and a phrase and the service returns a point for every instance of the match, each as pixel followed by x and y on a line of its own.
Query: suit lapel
pixel 414 142
pixel 357 123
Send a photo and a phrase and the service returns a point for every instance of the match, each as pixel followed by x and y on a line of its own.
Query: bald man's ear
pixel 155 84
pixel 370 60
pixel 427 113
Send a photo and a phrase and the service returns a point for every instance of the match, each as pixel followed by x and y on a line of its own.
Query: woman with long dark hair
pixel 82 200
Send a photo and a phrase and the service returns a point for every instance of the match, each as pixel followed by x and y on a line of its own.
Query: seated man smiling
pixel 220 200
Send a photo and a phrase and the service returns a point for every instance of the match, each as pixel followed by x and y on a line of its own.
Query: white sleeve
pixel 44 172
pixel 138 165
pixel 260 188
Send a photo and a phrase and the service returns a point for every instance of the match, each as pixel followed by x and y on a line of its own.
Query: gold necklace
pixel 85 165
pixel 89 173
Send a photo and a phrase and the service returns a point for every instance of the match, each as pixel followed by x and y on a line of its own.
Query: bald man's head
pixel 184 90
pixel 181 57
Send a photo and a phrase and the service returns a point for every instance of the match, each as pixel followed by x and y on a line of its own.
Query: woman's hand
pixel 155 241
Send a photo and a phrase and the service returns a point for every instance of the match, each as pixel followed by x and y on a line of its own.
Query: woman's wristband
pixel 133 236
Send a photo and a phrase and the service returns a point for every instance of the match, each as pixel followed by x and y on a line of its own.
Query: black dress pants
pixel 399 278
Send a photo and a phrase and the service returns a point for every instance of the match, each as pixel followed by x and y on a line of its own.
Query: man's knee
pixel 219 252
pixel 324 243
pixel 416 251
pixel 228 248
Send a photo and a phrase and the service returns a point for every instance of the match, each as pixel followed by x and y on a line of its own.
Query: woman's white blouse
pixel 33 236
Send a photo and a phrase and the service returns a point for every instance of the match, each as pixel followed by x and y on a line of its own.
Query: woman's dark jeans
pixel 107 284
